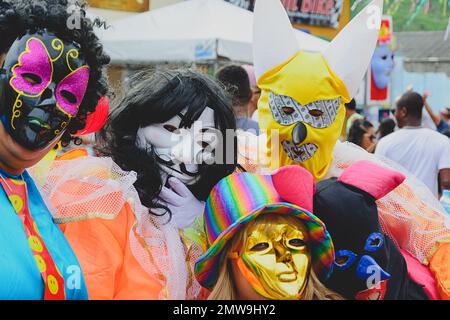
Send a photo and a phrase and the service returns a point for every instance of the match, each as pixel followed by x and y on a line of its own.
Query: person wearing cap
pixel 263 241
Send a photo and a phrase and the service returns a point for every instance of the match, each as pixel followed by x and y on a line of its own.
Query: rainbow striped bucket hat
pixel 241 197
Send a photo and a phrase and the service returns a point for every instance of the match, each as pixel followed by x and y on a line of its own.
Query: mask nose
pixel 282 254
pixel 368 267
pixel 299 133
pixel 178 153
pixel 187 151
pixel 48 97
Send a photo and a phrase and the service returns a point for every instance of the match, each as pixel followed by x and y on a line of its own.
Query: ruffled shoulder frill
pixel 87 187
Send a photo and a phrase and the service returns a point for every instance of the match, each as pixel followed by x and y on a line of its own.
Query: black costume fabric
pixel 351 217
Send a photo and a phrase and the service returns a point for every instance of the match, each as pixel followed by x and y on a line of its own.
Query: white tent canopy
pixel 189 31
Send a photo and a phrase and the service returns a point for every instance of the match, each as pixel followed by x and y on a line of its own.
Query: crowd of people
pixel 424 152
pixel 172 203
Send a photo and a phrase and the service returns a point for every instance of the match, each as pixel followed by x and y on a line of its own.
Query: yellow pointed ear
pixel 41 169
pixel 274 40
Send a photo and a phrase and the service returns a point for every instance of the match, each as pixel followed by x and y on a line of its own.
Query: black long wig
pixel 155 97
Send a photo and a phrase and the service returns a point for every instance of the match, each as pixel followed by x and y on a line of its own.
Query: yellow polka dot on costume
pixel 17 182
pixel 17 202
pixel 36 228
pixel 52 284
pixel 40 263
pixel 35 244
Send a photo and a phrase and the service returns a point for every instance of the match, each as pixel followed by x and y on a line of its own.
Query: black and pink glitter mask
pixel 42 85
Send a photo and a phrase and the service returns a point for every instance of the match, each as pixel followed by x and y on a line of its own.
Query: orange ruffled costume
pixel 93 202
pixel 110 269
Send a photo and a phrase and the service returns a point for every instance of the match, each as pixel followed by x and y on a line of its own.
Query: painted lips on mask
pixel 378 292
pixel 37 130
pixel 299 153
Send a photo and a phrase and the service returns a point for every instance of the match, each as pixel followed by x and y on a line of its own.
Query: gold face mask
pixel 302 106
pixel 275 257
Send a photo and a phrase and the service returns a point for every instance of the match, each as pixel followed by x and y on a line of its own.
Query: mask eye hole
pixel 170 128
pixel 203 144
pixel 374 242
pixel 68 96
pixel 32 78
pixel 260 247
pixel 288 110
pixel 297 243
pixel 316 112
pixel 344 259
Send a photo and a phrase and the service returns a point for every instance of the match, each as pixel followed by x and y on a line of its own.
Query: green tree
pixel 413 15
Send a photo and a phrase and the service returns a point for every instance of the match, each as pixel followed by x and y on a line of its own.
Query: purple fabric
pixel 75 83
pixel 36 61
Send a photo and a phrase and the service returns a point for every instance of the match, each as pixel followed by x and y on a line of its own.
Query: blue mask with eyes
pixel 362 267
pixel 368 265
pixel 374 242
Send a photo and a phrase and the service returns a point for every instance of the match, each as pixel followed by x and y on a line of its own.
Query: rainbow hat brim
pixel 207 266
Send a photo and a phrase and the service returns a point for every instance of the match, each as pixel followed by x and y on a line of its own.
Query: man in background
pixel 237 83
pixel 422 151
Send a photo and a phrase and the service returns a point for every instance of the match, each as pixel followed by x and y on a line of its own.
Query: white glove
pixel 185 207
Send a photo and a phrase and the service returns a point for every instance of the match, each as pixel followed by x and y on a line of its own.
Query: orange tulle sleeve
pixel 440 267
pixel 109 267
pixel 73 154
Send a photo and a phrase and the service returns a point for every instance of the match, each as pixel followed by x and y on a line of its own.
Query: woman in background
pixel 362 133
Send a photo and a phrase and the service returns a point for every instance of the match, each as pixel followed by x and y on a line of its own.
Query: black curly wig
pixel 156 97
pixel 17 17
